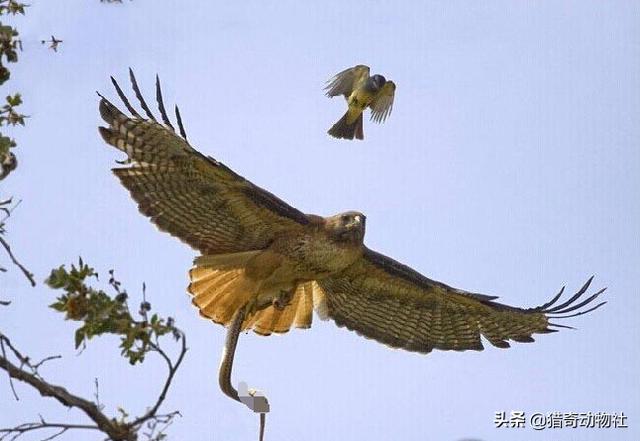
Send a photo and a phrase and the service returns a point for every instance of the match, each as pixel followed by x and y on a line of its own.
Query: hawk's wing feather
pixel 187 194
pixel 387 301
pixel 346 81
pixel 382 105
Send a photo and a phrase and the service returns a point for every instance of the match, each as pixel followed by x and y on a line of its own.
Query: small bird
pixel 360 90
pixel 53 43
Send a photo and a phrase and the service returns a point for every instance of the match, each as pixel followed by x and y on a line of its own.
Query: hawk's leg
pixel 283 299
pixel 279 301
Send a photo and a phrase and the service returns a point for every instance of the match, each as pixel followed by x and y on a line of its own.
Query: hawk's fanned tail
pixel 220 287
pixel 298 314
pixel 219 293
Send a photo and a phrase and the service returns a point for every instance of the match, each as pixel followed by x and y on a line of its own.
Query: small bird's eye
pixel 345 218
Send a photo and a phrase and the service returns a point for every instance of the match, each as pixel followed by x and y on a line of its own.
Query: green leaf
pixel 4 74
pixel 14 100
pixel 6 143
pixel 79 337
pixel 60 305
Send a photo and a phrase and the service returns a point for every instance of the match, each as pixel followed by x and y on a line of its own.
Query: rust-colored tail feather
pixel 298 314
pixel 218 294
pixel 220 287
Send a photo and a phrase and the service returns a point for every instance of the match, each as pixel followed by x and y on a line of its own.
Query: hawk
pixel 259 253
pixel 361 91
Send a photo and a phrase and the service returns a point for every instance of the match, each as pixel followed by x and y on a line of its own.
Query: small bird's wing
pixel 191 196
pixel 382 299
pixel 382 104
pixel 346 81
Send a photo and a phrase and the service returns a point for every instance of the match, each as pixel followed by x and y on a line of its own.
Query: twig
pixel 7 211
pixel 155 432
pixel 97 394
pixel 117 429
pixel 113 429
pixel 44 360
pixel 42 424
pixel 151 413
pixel 7 214
pixel 4 355
pixel 25 271
pixel 55 435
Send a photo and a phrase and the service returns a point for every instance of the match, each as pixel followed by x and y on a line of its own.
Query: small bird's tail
pixel 342 129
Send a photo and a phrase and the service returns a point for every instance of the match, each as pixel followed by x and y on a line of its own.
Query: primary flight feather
pixel 257 250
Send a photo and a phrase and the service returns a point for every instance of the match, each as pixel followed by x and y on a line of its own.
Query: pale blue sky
pixel 510 166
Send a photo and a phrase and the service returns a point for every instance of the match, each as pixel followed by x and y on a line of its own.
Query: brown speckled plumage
pixel 259 250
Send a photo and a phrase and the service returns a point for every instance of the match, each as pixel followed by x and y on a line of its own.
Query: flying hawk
pixel 260 253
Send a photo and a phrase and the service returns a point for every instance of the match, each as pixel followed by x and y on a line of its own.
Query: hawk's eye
pixel 345 218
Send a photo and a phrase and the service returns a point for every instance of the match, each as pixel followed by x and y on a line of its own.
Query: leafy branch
pixel 102 314
pixel 12 7
pixel 8 113
pixel 98 313
pixel 10 44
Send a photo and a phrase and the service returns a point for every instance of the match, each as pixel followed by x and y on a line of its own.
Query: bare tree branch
pixel 115 430
pixel 4 355
pixel 159 424
pixel 5 244
pixel 172 371
pixel 25 271
pixel 44 360
pixel 20 430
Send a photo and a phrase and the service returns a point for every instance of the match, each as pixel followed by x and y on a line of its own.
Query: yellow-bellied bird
pixel 360 90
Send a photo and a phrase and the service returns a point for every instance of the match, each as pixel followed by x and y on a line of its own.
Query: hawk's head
pixel 347 227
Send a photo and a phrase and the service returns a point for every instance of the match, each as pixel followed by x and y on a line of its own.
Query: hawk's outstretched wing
pixel 193 197
pixel 382 104
pixel 382 299
pixel 346 81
